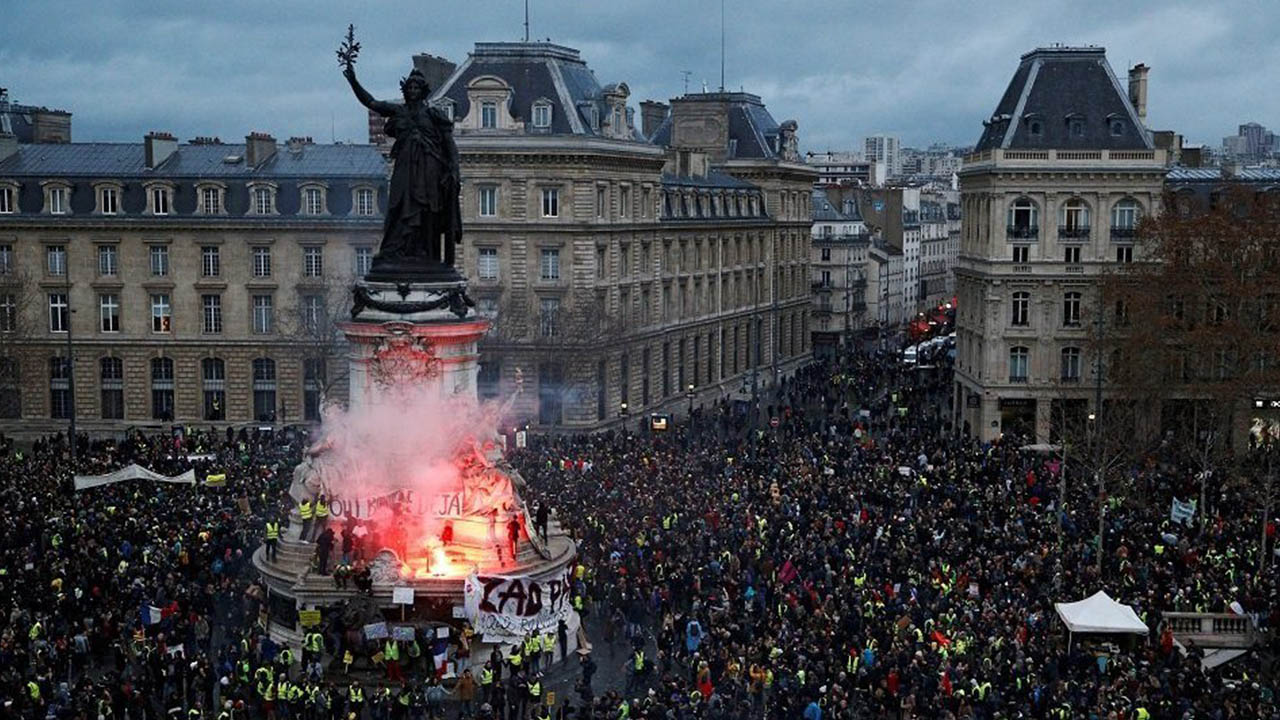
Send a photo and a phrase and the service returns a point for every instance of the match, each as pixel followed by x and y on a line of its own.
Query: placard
pixel 402 595
pixel 308 618
pixel 375 631
pixel 459 612
pixel 442 632
pixel 402 632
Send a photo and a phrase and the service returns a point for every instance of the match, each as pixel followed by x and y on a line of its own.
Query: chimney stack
pixel 8 145
pixel 159 146
pixel 1138 90
pixel 258 148
pixel 652 113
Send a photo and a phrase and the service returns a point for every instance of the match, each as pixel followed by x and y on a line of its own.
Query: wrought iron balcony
pixel 1123 233
pixel 1073 233
pixel 1023 232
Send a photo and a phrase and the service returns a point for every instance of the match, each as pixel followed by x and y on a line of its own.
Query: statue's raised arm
pixel 347 54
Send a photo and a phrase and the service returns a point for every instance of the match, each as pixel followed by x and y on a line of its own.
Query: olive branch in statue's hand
pixel 349 50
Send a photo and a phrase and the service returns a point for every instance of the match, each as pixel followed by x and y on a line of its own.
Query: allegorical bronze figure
pixel 423 223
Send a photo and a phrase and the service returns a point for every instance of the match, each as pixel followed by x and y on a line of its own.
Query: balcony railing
pixel 1073 233
pixel 1018 379
pixel 1123 233
pixel 1023 232
pixel 1022 268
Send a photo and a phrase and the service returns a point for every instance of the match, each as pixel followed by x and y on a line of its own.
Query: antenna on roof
pixel 721 45
pixel 526 20
pixel 686 74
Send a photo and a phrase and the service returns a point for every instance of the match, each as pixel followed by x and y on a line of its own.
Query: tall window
pixel 550 389
pixel 487 307
pixel 110 201
pixel 261 262
pixel 313 314
pixel 487 197
pixel 550 202
pixel 59 314
pixel 550 265
pixel 548 310
pixel 210 200
pixel 10 389
pixel 56 259
pixel 1022 253
pixel 364 202
pixel 1070 364
pixel 1023 219
pixel 542 115
pixel 111 382
pixel 1019 361
pixel 602 199
pixel 8 313
pixel 262 201
pixel 487 263
pixel 313 379
pixel 644 377
pixel 214 374
pixel 314 201
pixel 1075 219
pixel 57 200
pixel 109 312
pixel 108 264
pixel 162 388
pixel 364 261
pixel 1071 309
pixel 1124 254
pixel 488 380
pixel 263 314
pixel 212 321
pixel 159 260
pixel 161 313
pixel 1022 304
pixel 666 369
pixel 313 261
pixel 488 115
pixel 59 388
pixel 264 389
pixel 1124 219
pixel 6 259
pixel 6 200
pixel 1071 254
pixel 624 201
pixel 210 261
pixel 160 200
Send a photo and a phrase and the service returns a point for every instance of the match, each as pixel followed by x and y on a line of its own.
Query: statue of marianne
pixel 423 222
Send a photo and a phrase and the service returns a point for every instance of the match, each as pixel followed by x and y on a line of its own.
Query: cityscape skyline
pixel 194 82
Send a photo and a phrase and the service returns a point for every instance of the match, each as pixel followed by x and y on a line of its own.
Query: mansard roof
pixel 1053 85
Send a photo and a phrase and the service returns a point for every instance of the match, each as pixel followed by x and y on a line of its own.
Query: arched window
pixel 264 389
pixel 1070 364
pixel 1024 219
pixel 162 388
pixel 1125 215
pixel 213 373
pixel 1019 364
pixel 1073 219
pixel 1021 309
pixel 1071 309
pixel 111 380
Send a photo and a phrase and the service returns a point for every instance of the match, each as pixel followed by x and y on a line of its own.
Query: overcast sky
pixel 926 71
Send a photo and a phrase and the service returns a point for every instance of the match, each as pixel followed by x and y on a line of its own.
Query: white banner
pixel 133 472
pixel 1182 512
pixel 516 606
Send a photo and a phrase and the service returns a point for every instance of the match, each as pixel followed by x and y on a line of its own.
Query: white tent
pixel 1098 613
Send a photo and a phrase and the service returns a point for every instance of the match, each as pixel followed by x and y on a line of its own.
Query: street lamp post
pixel 690 394
pixel 622 413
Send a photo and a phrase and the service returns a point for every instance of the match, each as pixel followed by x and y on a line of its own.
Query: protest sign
pixel 402 632
pixel 516 606
pixel 309 618
pixel 375 631
pixel 402 595
pixel 1182 512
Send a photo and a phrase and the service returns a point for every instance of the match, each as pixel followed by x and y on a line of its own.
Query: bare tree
pixel 1203 311
pixel 311 327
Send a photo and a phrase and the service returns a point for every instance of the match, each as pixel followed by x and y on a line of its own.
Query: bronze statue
pixel 423 214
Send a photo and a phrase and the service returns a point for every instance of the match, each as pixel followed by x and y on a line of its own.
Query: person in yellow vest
pixel 272 538
pixel 312 648
pixel 535 690
pixel 548 648
pixel 532 651
pixel 486 682
pixel 307 513
pixel 355 699
pixel 391 654
pixel 515 658
pixel 322 514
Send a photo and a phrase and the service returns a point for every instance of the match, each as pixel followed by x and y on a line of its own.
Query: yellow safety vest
pixel 486 677
pixel 304 509
pixel 273 531
pixel 356 694
pixel 639 660
pixel 322 510
pixel 535 689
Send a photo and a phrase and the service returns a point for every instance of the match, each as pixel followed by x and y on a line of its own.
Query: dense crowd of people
pixel 851 557
pixel 842 555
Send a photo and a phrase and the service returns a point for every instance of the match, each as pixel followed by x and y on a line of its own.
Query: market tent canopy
pixel 1100 614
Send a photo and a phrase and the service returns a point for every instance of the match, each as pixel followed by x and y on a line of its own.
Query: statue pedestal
pixel 412 335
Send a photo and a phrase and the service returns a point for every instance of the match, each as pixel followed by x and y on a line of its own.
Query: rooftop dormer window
pixel 1075 126
pixel 1117 127
pixel 108 196
pixel 542 114
pixel 488 115
pixel 8 198
pixel 57 198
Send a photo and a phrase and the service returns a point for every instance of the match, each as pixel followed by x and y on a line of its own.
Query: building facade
pixel 156 282
pixel 626 269
pixel 885 149
pixel 1050 198
pixel 838 267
